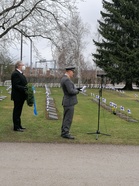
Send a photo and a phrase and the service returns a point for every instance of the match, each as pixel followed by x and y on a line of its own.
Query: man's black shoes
pixel 18 130
pixel 23 128
pixel 68 136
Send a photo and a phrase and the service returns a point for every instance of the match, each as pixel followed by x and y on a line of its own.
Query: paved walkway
pixel 34 164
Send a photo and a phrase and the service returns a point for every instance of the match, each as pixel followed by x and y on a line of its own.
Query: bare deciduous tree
pixel 71 44
pixel 33 18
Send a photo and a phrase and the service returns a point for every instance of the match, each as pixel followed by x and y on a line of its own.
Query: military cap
pixel 70 68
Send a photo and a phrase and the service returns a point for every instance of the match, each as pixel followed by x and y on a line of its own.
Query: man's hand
pixel 80 88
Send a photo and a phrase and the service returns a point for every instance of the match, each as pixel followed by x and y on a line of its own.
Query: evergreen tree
pixel 117 50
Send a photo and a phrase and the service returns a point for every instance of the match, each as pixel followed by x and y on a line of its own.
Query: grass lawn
pixel 40 129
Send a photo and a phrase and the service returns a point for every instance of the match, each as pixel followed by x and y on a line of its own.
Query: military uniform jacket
pixel 70 92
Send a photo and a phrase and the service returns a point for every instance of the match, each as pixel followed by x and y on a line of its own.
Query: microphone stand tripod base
pixel 97 133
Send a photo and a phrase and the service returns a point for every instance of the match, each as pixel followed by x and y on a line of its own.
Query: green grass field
pixel 41 129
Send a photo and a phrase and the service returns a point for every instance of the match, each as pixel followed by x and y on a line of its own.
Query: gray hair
pixel 17 64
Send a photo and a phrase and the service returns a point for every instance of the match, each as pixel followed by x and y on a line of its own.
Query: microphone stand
pixel 100 95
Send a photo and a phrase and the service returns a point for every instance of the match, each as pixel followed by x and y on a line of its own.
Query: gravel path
pixel 34 164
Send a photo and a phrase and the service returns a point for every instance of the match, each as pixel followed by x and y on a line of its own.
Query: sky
pixel 89 12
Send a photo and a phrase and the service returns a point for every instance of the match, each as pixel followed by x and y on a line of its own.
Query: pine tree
pixel 117 50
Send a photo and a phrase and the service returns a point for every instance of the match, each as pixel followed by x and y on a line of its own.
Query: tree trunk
pixel 128 86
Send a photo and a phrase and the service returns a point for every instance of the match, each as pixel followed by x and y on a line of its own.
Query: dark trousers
pixel 17 110
pixel 67 119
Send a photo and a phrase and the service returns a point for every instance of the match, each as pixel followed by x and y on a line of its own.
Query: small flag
pixel 114 105
pixel 97 96
pixel 122 108
pixel 128 111
pixel 111 104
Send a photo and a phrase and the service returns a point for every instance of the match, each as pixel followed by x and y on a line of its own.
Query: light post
pixel 21 49
pixel 30 56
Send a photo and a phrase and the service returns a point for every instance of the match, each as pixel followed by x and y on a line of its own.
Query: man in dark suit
pixel 18 94
pixel 68 102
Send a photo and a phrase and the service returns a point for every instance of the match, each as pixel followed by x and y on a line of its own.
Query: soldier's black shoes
pixel 68 136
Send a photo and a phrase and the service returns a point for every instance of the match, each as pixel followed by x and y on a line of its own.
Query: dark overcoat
pixel 19 82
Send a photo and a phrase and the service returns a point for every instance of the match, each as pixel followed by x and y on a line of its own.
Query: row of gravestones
pixel 118 113
pixel 3 97
pixel 51 111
